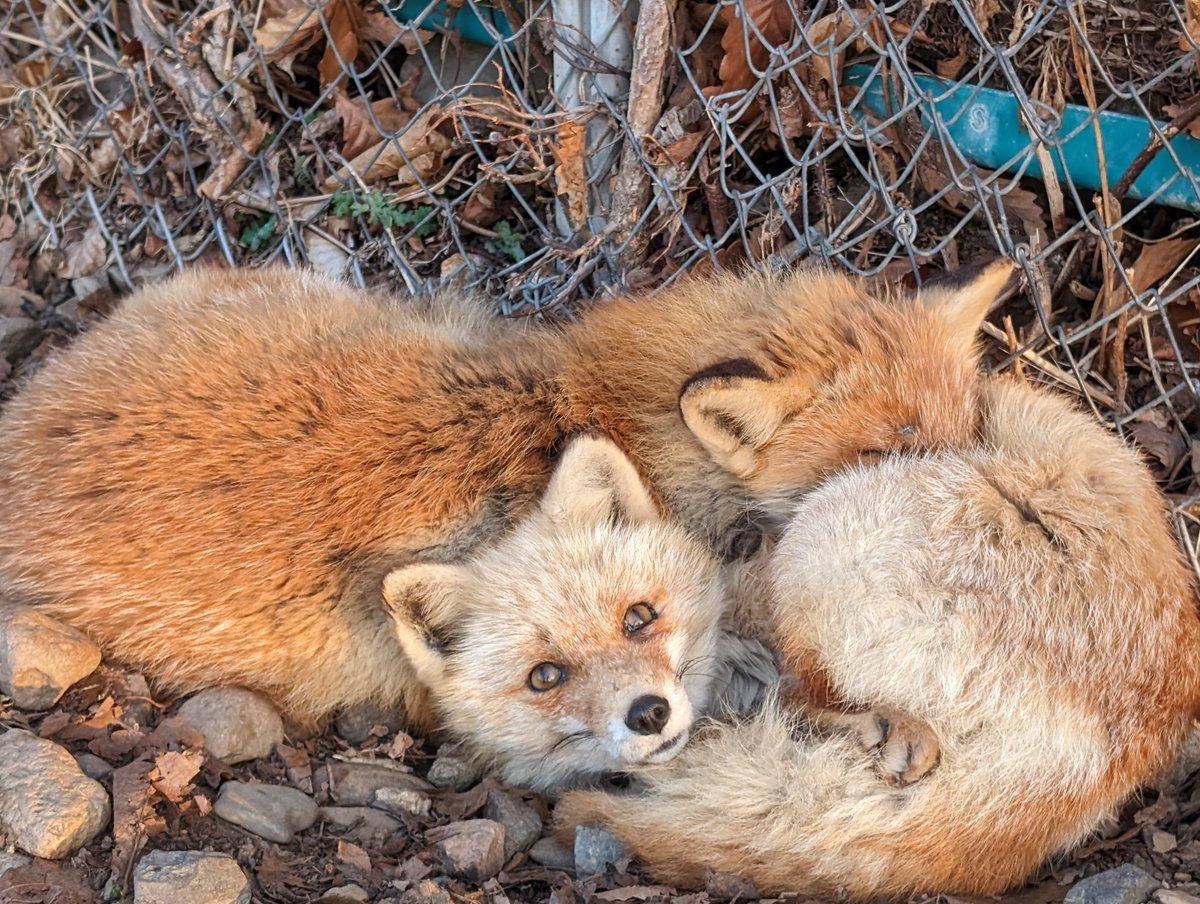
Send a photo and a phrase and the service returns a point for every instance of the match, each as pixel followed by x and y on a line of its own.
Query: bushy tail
pixel 768 800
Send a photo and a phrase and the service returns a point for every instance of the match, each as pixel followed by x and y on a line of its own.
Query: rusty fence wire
pixel 548 151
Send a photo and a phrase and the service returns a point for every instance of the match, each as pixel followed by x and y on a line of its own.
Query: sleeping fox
pixel 216 482
pixel 1022 599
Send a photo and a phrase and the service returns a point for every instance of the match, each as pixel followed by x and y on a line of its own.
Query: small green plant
pixel 508 241
pixel 384 210
pixel 257 232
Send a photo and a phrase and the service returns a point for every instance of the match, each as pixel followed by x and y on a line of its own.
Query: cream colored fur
pixel 1024 598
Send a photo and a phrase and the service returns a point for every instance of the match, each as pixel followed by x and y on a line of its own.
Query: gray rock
pixel 1127 884
pixel 452 772
pixel 1172 896
pixel 273 812
pixel 551 854
pixel 11 861
pixel 595 849
pixel 354 723
pixel 48 805
pixel 345 894
pixel 40 658
pixel 237 724
pixel 472 849
pixel 18 337
pixel 93 766
pixel 363 824
pixel 357 784
pixel 522 824
pixel 189 877
pixel 403 800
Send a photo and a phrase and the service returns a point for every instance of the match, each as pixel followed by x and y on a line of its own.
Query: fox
pixel 1021 598
pixel 219 481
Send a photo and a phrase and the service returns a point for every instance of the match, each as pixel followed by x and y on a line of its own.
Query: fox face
pixel 585 642
pixel 859 378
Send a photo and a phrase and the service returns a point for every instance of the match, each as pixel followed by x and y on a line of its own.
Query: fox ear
pixel 966 295
pixel 733 408
pixel 423 602
pixel 594 482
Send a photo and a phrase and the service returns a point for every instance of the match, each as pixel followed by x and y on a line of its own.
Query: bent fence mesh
pixel 548 151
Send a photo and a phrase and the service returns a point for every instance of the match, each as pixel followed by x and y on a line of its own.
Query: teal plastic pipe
pixel 466 22
pixel 985 126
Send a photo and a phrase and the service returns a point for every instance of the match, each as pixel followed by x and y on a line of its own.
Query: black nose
pixel 648 714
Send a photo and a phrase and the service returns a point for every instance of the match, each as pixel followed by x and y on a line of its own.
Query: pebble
pixel 522 824
pixel 354 723
pixel 1162 842
pixel 1170 896
pixel 595 850
pixel 550 853
pixel 472 849
pixel 189 877
pixel 451 772
pixel 93 766
pixel 345 894
pixel 273 812
pixel 237 724
pixel 1127 884
pixel 403 800
pixel 11 861
pixel 358 784
pixel 40 658
pixel 48 805
pixel 363 824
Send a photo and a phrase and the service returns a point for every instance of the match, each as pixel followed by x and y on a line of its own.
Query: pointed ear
pixel 594 482
pixel 966 295
pixel 423 601
pixel 733 408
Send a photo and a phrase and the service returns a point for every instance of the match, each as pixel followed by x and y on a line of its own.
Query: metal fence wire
pixel 551 150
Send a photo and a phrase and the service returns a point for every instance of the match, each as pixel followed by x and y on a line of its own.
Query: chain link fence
pixel 548 151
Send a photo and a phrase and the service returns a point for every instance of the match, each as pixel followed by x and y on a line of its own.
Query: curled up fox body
pixel 215 483
pixel 1021 597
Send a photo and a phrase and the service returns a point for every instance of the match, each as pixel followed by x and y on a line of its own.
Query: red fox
pixel 215 482
pixel 1023 598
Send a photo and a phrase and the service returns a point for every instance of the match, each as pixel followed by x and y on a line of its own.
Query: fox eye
pixel 546 676
pixel 638 616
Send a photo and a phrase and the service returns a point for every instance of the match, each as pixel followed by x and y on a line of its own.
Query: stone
pixel 1161 842
pixel 40 658
pixel 595 850
pixel 451 772
pixel 237 724
pixel 403 800
pixel 366 825
pixel 1172 896
pixel 1127 884
pixel 552 854
pixel 472 849
pixel 18 337
pixel 273 812
pixel 93 767
pixel 49 807
pixel 357 784
pixel 345 894
pixel 522 824
pixel 189 877
pixel 11 861
pixel 354 723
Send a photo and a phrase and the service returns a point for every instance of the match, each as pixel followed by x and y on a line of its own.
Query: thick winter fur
pixel 1024 598
pixel 215 482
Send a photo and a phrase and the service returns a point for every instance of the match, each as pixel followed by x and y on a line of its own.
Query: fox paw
pixel 905 749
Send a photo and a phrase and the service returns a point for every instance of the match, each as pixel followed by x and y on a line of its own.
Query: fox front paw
pixel 905 749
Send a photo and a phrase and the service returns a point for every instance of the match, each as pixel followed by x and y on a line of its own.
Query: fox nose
pixel 648 714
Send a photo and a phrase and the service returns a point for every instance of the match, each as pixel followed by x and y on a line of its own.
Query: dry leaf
pixel 829 32
pixel 354 856
pixel 324 255
pixel 342 25
pixel 87 256
pixel 635 893
pixel 133 815
pixel 1170 111
pixel 774 20
pixel 174 771
pixel 1191 25
pixel 236 160
pixel 294 31
pixel 411 157
pixel 1164 446
pixel 359 131
pixel 952 67
pixel 1154 263
pixel 570 178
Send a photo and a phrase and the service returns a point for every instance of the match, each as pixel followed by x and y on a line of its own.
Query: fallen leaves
pixel 570 176
pixel 408 160
pixel 749 41
pixel 343 25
